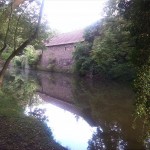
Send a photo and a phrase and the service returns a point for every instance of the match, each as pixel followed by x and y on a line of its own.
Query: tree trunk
pixel 7 62
pixel 3 48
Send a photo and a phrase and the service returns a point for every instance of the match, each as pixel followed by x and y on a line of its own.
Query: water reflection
pixel 68 129
pixel 39 114
pixel 110 139
pixel 97 114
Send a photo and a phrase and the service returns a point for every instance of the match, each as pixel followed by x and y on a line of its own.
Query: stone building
pixel 59 53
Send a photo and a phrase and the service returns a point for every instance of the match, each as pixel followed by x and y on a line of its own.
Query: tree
pixel 110 139
pixel 21 28
pixel 137 12
pixel 113 48
pixel 7 6
pixel 108 46
pixel 29 59
pixel 83 61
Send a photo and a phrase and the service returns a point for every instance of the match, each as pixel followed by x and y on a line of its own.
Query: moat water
pixel 84 113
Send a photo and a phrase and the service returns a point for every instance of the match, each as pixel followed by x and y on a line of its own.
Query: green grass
pixel 9 106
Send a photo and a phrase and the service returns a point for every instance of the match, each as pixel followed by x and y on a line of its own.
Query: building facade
pixel 59 53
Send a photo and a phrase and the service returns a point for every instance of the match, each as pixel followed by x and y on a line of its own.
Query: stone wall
pixel 57 58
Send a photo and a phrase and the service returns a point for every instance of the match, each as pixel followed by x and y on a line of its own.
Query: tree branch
pixel 15 33
pixel 23 45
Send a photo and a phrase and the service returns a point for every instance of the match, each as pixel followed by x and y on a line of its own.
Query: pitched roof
pixel 66 38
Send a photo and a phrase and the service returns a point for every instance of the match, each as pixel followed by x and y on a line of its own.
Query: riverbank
pixel 22 132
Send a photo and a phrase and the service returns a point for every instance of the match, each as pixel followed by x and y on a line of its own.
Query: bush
pixel 17 61
pixel 83 61
pixel 30 55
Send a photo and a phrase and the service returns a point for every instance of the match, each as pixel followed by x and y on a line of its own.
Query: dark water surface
pixel 84 113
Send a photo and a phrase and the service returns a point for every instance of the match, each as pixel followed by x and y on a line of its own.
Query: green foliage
pixel 142 89
pixel 92 31
pixel 83 61
pixel 137 13
pixel 108 47
pixel 15 94
pixel 8 105
pixel 17 25
pixel 17 61
pixel 30 56
pixel 20 89
pixel 112 50
pixel 6 54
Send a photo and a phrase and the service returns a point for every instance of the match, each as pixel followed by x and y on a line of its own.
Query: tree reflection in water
pixel 39 114
pixel 112 139
pixel 92 96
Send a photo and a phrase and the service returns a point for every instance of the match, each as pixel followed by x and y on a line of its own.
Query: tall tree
pixel 22 34
pixel 137 12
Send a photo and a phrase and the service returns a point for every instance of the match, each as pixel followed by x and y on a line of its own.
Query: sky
pixel 68 134
pixel 68 15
